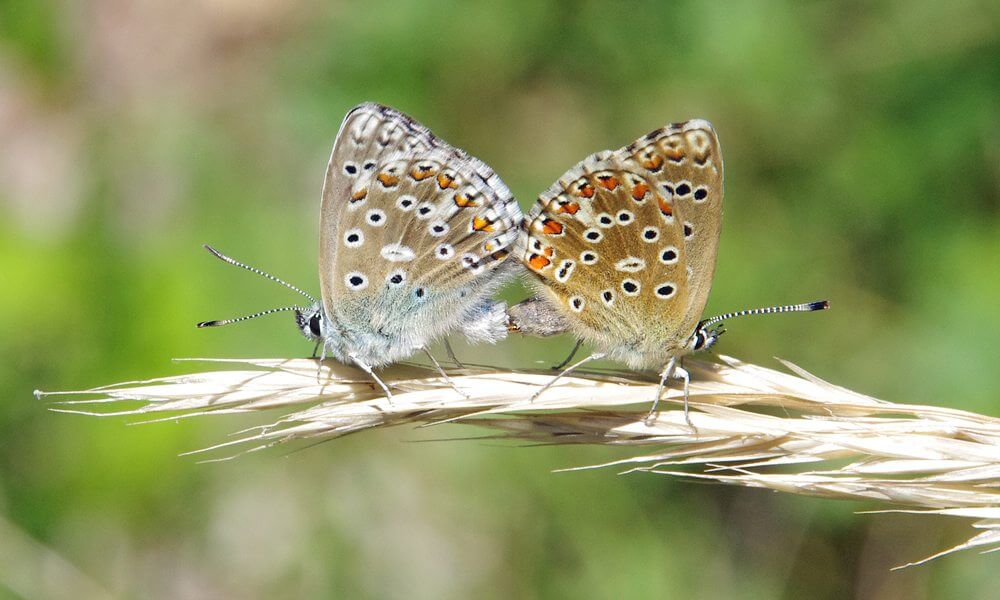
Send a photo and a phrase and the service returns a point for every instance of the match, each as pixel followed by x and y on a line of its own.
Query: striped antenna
pixel 253 316
pixel 237 263
pixel 807 307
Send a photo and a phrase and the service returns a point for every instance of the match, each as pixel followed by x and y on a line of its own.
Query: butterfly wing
pixel 625 241
pixel 415 234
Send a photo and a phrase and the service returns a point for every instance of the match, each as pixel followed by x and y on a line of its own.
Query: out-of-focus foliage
pixel 862 165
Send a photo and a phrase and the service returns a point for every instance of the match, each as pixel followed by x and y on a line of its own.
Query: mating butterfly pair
pixel 417 235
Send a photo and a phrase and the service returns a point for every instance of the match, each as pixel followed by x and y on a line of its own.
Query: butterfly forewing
pixel 413 229
pixel 625 241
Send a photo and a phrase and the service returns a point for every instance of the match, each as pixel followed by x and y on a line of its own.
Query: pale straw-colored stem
pixel 752 426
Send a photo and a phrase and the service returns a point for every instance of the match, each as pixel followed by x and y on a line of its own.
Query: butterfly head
pixel 310 322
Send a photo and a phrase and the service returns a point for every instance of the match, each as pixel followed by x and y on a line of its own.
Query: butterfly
pixel 415 237
pixel 622 249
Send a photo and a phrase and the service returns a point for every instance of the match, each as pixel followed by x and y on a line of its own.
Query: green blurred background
pixel 862 165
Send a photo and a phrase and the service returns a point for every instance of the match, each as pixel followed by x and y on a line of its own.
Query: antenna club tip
pixel 207 324
pixel 819 305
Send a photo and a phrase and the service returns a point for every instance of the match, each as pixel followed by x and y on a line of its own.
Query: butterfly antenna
pixel 237 263
pixel 807 307
pixel 253 316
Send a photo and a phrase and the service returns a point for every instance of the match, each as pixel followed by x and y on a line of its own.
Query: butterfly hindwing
pixel 625 241
pixel 414 232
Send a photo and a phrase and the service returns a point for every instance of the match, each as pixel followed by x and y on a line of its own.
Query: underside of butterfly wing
pixel 624 243
pixel 415 237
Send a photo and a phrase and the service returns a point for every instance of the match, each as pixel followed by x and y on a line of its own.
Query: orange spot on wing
pixel 664 207
pixel 583 189
pixel 421 173
pixel 639 191
pixel 610 182
pixel 538 262
pixel 569 207
pixel 548 251
pixel 674 153
pixel 359 195
pixel 481 224
pixel 388 180
pixel 552 227
pixel 445 181
pixel 652 161
pixel 463 201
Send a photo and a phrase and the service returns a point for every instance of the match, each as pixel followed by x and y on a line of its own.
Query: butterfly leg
pixel 319 363
pixel 444 375
pixel 451 354
pixel 595 356
pixel 371 373
pixel 673 369
pixel 316 349
pixel 568 358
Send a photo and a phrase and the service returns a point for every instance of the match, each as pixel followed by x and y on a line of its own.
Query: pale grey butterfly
pixel 414 240
pixel 622 248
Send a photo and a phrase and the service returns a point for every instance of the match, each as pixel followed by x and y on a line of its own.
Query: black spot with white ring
pixel 608 297
pixel 405 202
pixel 355 281
pixel 688 230
pixel 350 169
pixel 669 256
pixel 444 251
pixel 437 228
pixel 354 238
pixel 700 194
pixel 593 235
pixel 375 217
pixel 631 287
pixel 588 257
pixel 650 234
pixel 666 291
pixel 396 279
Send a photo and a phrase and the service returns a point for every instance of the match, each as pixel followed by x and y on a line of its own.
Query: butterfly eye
pixel 314 325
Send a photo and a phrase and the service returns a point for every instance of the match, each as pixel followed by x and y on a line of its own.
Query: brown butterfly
pixel 622 248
